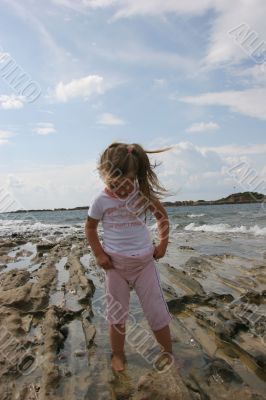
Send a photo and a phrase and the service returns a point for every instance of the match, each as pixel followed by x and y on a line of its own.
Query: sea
pixel 238 229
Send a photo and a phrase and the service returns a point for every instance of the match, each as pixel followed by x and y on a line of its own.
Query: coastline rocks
pixel 14 278
pixel 44 247
pixel 169 384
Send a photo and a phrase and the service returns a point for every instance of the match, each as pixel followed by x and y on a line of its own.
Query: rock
pixel 64 330
pixel 89 332
pixel 178 304
pixel 186 248
pixel 14 278
pixel 2 267
pixel 198 266
pixel 254 297
pixel 162 386
pixel 79 353
pixel 180 278
pixel 43 247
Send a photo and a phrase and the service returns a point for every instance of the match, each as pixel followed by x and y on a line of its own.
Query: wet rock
pixel 14 278
pixel 5 258
pixel 89 332
pixel 2 267
pixel 180 278
pixel 186 248
pixel 227 330
pixel 158 386
pixel 213 299
pixel 80 353
pixel 254 297
pixel 53 341
pixel 198 266
pixel 78 282
pixel 43 247
pixel 218 380
pixel 64 330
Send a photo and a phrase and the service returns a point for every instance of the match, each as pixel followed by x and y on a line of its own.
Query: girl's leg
pixel 118 293
pixel 117 333
pixel 163 337
pixel 149 291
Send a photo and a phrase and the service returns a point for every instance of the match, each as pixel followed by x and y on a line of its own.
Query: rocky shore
pixel 54 338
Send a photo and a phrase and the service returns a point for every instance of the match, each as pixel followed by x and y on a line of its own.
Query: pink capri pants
pixel 140 272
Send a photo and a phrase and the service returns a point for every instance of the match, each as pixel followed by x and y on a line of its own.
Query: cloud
pixel 232 149
pixel 11 102
pixel 227 15
pixel 44 128
pixel 255 75
pixel 4 136
pixel 127 8
pixel 83 87
pixel 188 171
pixel 110 119
pixel 24 12
pixel 159 82
pixel 50 186
pixel 203 126
pixel 13 182
pixel 223 48
pixel 250 102
pixel 147 57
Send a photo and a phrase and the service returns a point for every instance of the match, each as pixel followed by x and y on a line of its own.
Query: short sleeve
pixel 96 209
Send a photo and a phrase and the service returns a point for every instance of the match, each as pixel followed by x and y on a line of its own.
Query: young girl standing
pixel 127 253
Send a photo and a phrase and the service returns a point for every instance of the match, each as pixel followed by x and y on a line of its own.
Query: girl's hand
pixel 104 261
pixel 159 251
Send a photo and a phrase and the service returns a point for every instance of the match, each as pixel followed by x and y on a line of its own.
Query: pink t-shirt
pixel 124 228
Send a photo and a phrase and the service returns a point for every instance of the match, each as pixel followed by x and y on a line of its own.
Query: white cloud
pixel 11 102
pixel 255 75
pixel 13 182
pixel 227 14
pixel 50 186
pixel 223 48
pixel 203 126
pixel 188 171
pixel 110 119
pixel 147 57
pixel 4 137
pixel 44 128
pixel 83 87
pixel 232 149
pixel 126 8
pixel 249 102
pixel 6 134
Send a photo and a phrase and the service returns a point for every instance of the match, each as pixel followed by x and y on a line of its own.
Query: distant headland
pixel 235 198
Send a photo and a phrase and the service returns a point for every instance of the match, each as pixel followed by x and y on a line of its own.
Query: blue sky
pixel 155 72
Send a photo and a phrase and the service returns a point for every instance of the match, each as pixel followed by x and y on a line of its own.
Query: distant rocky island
pixel 235 198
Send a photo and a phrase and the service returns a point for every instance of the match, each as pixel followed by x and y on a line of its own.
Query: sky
pixel 190 74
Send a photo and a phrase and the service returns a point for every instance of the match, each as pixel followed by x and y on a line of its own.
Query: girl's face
pixel 121 187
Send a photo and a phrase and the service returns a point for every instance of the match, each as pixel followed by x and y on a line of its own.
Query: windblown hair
pixel 122 160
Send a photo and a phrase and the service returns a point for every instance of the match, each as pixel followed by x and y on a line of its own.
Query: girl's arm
pixel 92 236
pixel 162 219
pixel 93 239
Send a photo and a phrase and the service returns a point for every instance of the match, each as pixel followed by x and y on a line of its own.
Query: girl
pixel 127 253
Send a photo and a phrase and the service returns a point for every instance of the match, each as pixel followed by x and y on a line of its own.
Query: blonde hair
pixel 122 160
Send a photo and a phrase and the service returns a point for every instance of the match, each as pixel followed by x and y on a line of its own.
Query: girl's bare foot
pixel 118 362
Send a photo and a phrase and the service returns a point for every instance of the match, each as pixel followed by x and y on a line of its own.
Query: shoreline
pixel 236 198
